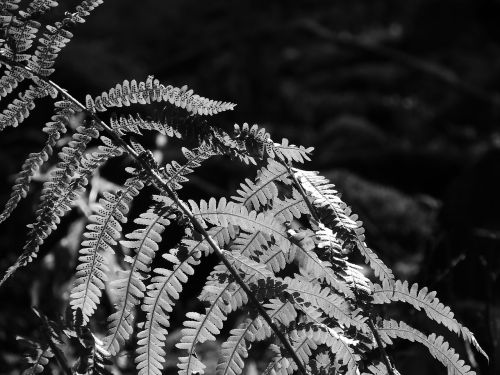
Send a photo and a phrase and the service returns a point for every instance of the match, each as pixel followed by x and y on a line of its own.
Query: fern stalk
pixel 163 187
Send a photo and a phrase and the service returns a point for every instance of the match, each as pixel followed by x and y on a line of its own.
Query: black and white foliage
pixel 328 311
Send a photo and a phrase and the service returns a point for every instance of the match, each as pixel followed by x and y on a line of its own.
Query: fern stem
pixel 162 186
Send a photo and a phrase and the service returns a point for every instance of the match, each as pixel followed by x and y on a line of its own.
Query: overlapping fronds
pixel 290 208
pixel 129 286
pixel 224 213
pixel 439 349
pixel 303 347
pixel 331 304
pixel 33 163
pixel 49 213
pixel 422 299
pixel 101 236
pixel 255 195
pixel 151 90
pixel 258 144
pixel 235 349
pixel 325 196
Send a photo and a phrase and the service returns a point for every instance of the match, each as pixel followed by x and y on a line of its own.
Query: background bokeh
pixel 401 100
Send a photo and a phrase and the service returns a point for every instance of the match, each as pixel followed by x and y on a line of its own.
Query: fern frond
pixel 129 286
pixel 255 195
pixel 424 300
pixel 135 123
pixel 332 305
pixel 152 91
pixel 11 79
pixel 436 345
pixel 101 235
pixel 51 211
pixel 162 293
pixel 326 197
pixel 53 129
pixel 224 213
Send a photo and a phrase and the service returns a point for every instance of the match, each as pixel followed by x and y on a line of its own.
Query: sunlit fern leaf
pixel 151 90
pixel 439 349
pixel 255 195
pixel 224 213
pixel 101 235
pixel 290 208
pixel 51 211
pixel 423 300
pixel 325 196
pixel 321 270
pixel 36 356
pixel 32 164
pixel 223 297
pixel 331 304
pixel 163 291
pixel 129 286
pixel 235 349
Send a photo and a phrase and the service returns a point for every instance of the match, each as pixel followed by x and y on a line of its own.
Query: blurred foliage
pixel 400 99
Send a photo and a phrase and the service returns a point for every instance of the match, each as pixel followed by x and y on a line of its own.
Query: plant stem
pixel 162 186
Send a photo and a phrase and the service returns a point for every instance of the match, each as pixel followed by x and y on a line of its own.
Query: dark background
pixel 399 98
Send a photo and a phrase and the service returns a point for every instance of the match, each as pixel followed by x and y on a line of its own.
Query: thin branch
pixel 163 187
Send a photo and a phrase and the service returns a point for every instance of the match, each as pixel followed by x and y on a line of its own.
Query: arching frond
pixel 423 300
pixel 153 91
pixel 129 286
pixel 101 235
pixel 440 349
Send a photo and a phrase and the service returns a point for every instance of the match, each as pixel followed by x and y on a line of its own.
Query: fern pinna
pixel 322 318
